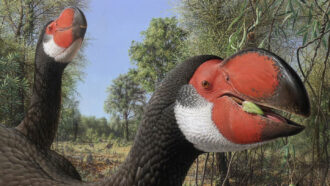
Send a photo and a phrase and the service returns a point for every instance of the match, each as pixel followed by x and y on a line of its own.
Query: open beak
pixel 263 78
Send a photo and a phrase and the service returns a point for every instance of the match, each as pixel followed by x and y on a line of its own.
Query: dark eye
pixel 205 84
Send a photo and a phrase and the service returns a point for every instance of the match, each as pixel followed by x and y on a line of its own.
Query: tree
pixel 20 24
pixel 92 129
pixel 69 120
pixel 158 51
pixel 125 99
pixel 10 86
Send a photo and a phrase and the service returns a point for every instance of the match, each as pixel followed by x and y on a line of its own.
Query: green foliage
pixel 125 101
pixel 158 52
pixel 70 120
pixel 25 18
pixel 215 27
pixel 92 129
pixel 10 87
pixel 70 115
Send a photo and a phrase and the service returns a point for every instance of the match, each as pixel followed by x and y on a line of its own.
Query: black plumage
pixel 160 155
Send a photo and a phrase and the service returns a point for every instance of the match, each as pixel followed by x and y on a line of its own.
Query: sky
pixel 112 26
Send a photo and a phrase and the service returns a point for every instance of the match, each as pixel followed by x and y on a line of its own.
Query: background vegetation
pixel 296 30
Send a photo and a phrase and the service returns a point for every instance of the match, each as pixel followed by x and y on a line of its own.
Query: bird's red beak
pixel 68 27
pixel 260 77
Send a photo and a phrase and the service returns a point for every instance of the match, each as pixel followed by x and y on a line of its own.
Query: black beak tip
pixel 293 128
pixel 79 22
pixel 297 130
pixel 292 94
pixel 303 107
pixel 276 130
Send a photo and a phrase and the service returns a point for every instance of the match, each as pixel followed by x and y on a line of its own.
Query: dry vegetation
pixel 95 161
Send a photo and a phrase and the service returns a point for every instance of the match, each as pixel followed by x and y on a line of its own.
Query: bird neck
pixel 41 120
pixel 160 155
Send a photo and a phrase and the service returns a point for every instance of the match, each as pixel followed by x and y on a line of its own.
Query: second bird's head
pixel 212 108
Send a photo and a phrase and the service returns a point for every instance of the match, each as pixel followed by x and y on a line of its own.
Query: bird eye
pixel 51 28
pixel 205 84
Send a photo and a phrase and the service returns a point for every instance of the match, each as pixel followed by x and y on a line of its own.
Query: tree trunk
pixel 212 168
pixel 75 129
pixel 21 91
pixel 204 170
pixel 196 173
pixel 21 72
pixel 126 126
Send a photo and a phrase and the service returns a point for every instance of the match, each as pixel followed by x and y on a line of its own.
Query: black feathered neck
pixel 41 121
pixel 161 155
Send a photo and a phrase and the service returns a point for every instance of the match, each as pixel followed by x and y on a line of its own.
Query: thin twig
pixel 212 169
pixel 20 23
pixel 319 38
pixel 36 4
pixel 299 64
pixel 196 175
pixel 14 27
pixel 318 6
pixel 313 60
pixel 267 9
pixel 304 46
pixel 204 170
pixel 272 25
pixel 322 33
pixel 229 166
pixel 306 173
pixel 322 83
pixel 253 11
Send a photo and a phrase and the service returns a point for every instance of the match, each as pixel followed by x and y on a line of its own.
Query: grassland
pixel 95 161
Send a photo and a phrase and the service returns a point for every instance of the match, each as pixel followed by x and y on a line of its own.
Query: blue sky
pixel 112 25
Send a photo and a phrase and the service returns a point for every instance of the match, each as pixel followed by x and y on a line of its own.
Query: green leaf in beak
pixel 250 107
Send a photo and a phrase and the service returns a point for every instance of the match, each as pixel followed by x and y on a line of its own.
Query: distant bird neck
pixel 43 113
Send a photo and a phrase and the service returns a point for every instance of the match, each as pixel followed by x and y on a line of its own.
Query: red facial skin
pixel 249 75
pixel 61 28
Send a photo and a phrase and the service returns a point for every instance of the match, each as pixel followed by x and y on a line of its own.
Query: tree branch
pixel 196 175
pixel 229 166
pixel 212 168
pixel 272 25
pixel 322 81
pixel 13 26
pixel 204 170
pixel 20 23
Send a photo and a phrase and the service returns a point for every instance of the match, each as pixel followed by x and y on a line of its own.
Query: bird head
pixel 230 104
pixel 62 38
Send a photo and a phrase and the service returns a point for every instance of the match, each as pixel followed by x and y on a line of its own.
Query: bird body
pixel 197 108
